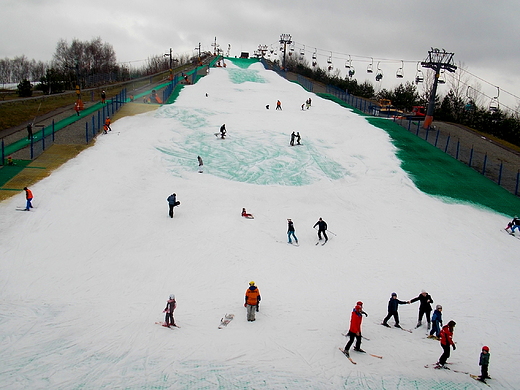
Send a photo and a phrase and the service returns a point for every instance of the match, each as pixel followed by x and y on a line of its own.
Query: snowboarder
pixel 223 131
pixel 514 224
pixel 484 363
pixel 322 229
pixel 245 214
pixel 29 198
pixel 425 307
pixel 290 231
pixel 436 323
pixel 278 105
pixel 293 136
pixel 107 122
pixel 252 301
pixel 393 305
pixel 171 304
pixel 446 342
pixel 201 164
pixel 29 131
pixel 298 138
pixel 172 202
pixel 355 330
pixel 103 97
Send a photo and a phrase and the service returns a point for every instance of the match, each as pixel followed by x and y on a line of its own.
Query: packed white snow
pixel 86 274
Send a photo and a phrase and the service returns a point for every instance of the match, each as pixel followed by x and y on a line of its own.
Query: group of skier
pixel 439 332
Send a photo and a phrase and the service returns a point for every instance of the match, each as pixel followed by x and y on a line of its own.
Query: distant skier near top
pixel 223 131
pixel 201 164
pixel 245 214
pixel 393 305
pixel 171 304
pixel 293 136
pixel 446 343
pixel 252 301
pixel 278 105
pixel 298 138
pixel 322 229
pixel 290 231
pixel 355 330
pixel 425 307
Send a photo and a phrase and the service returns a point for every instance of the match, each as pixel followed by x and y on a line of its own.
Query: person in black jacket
pixel 425 307
pixel 393 305
pixel 322 228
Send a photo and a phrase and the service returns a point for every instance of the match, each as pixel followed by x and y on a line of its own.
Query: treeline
pixel 455 107
pixel 87 64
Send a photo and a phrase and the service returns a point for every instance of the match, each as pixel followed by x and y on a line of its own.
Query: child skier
pixel 170 307
pixel 484 363
pixel 393 305
pixel 252 301
pixel 446 343
pixel 355 330
pixel 436 323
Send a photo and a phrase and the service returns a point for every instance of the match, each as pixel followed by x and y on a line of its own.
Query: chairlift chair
pixel 400 72
pixel 419 77
pixel 494 105
pixel 379 75
pixel 370 67
pixel 351 71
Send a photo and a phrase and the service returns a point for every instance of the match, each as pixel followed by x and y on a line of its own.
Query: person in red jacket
pixel 446 343
pixel 355 330
pixel 29 198
pixel 252 300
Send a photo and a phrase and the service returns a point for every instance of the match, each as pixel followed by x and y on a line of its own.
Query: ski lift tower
pixel 285 39
pixel 437 60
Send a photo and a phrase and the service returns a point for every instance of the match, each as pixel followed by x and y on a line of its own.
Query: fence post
pixel 437 137
pixel 427 132
pixel 500 172
pixel 417 132
pixel 447 143
pixel 86 132
pixel 3 152
pixel 53 131
pixel 409 124
pixel 470 157
pixel 484 167
pixel 43 138
pixel 32 148
pixel 517 179
pixel 458 148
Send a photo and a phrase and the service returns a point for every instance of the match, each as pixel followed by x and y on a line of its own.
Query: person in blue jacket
pixel 436 323
pixel 172 202
pixel 393 305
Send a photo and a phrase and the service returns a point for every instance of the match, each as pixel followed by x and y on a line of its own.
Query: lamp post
pixel 285 39
pixel 437 60
pixel 171 65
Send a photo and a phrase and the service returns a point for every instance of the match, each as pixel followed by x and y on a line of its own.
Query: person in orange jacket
pixel 107 123
pixel 355 330
pixel 29 198
pixel 446 343
pixel 252 301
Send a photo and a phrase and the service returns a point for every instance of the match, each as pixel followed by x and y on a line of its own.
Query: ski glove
pixel 454 347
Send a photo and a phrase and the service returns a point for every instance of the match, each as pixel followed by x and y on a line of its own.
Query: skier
pixel 107 122
pixel 290 231
pixel 199 159
pixel 29 198
pixel 484 363
pixel 436 323
pixel 355 330
pixel 425 307
pixel 223 131
pixel 245 214
pixel 293 136
pixel 393 305
pixel 298 138
pixel 278 105
pixel 252 301
pixel 170 307
pixel 446 343
pixel 103 97
pixel 172 202
pixel 322 228
pixel 514 224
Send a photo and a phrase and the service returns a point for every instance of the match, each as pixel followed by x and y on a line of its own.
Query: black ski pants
pixel 390 314
pixel 446 354
pixel 352 335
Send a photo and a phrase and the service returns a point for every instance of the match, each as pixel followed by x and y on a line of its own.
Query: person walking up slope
pixel 252 301
pixel 354 331
pixel 446 343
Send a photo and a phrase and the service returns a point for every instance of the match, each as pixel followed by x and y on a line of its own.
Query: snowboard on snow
pixel 224 321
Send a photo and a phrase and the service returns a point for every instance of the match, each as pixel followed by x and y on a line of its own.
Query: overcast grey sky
pixel 482 34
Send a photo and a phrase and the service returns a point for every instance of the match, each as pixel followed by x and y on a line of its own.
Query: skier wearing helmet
pixel 354 331
pixel 436 323
pixel 170 307
pixel 252 301
pixel 393 305
pixel 484 363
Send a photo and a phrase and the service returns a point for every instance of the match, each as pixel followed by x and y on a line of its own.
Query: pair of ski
pixel 398 327
pixel 437 366
pixel 322 243
pixel 352 361
pixel 166 326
